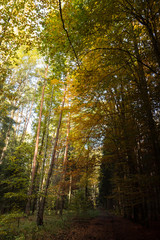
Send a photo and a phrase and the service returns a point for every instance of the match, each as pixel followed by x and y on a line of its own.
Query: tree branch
pixel 125 51
pixel 60 10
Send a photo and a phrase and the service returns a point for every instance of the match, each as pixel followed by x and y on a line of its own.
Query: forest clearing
pixel 79 119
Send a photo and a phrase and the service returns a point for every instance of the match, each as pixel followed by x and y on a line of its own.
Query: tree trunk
pixel 70 189
pixel 26 122
pixel 6 145
pixel 65 165
pixel 37 178
pixel 34 162
pixel 7 138
pixel 46 142
pixel 143 89
pixel 41 206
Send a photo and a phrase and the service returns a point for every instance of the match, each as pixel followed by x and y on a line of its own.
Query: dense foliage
pixel 79 113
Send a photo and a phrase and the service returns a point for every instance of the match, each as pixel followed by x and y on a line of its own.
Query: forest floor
pixel 107 227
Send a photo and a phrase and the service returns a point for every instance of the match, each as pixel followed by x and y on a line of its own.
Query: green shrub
pixel 80 202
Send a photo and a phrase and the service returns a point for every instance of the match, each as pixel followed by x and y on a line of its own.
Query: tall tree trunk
pixel 34 162
pixel 41 206
pixel 37 178
pixel 67 144
pixel 65 165
pixel 142 86
pixel 143 89
pixel 46 143
pixel 150 123
pixel 45 151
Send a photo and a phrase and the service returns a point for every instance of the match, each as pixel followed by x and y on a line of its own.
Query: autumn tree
pixel 116 81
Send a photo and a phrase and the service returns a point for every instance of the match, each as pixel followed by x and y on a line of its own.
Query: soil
pixel 107 227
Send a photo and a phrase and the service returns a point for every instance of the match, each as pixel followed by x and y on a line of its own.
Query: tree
pixel 34 163
pixel 43 199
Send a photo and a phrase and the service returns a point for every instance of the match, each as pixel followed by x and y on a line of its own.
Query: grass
pixel 91 213
pixel 16 226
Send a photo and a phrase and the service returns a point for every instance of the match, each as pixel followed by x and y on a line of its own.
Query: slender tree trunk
pixel 46 142
pixel 43 199
pixel 45 151
pixel 7 138
pixel 37 178
pixel 65 165
pixel 129 151
pixel 5 147
pixel 70 189
pixel 67 145
pixel 17 113
pixel 34 162
pixel 26 122
pixel 20 121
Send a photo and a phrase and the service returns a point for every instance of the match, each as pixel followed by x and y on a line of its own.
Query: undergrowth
pixel 17 226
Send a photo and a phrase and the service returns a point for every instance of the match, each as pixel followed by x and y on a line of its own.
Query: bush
pixel 80 202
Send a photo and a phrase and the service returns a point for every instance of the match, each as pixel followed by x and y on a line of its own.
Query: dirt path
pixel 108 228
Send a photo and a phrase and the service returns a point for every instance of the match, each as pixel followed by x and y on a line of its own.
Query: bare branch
pixel 60 10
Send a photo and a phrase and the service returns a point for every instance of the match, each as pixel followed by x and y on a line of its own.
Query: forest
pixel 79 112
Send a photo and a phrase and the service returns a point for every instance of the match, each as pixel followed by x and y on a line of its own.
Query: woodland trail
pixel 105 227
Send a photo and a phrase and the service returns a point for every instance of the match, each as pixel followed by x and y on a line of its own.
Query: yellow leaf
pixel 54 81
